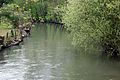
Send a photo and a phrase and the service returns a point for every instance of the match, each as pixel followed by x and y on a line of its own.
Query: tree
pixel 94 22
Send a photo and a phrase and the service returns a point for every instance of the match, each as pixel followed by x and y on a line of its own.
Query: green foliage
pixel 39 10
pixel 94 22
pixel 42 9
pixel 55 15
pixel 14 13
pixel 5 2
pixel 5 23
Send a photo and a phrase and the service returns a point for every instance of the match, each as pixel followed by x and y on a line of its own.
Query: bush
pixel 14 13
pixel 46 10
pixel 5 23
pixel 93 23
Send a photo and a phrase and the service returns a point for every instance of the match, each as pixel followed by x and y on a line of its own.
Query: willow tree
pixel 94 22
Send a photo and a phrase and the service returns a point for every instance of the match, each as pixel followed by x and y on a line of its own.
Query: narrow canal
pixel 48 55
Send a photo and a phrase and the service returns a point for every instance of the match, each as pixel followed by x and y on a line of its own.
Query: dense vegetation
pixel 22 11
pixel 42 10
pixel 13 14
pixel 90 22
pixel 94 22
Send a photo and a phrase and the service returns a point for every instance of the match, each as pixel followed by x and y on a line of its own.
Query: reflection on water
pixel 48 55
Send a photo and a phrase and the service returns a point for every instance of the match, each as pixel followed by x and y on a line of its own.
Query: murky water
pixel 48 55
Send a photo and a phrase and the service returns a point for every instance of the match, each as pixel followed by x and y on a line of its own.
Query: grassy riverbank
pixel 15 24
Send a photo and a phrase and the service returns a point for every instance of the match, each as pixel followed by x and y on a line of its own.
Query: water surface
pixel 48 55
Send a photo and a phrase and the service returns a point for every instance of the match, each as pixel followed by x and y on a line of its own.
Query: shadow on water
pixel 2 57
pixel 4 54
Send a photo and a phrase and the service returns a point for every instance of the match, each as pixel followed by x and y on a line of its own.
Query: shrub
pixel 93 23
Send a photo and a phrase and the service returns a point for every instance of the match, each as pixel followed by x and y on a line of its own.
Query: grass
pixel 6 25
pixel 3 32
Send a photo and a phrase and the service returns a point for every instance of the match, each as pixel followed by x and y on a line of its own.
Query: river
pixel 48 55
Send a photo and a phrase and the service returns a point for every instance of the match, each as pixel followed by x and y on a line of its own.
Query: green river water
pixel 48 55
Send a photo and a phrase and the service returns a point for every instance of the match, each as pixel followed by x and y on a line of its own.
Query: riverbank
pixel 46 21
pixel 12 37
